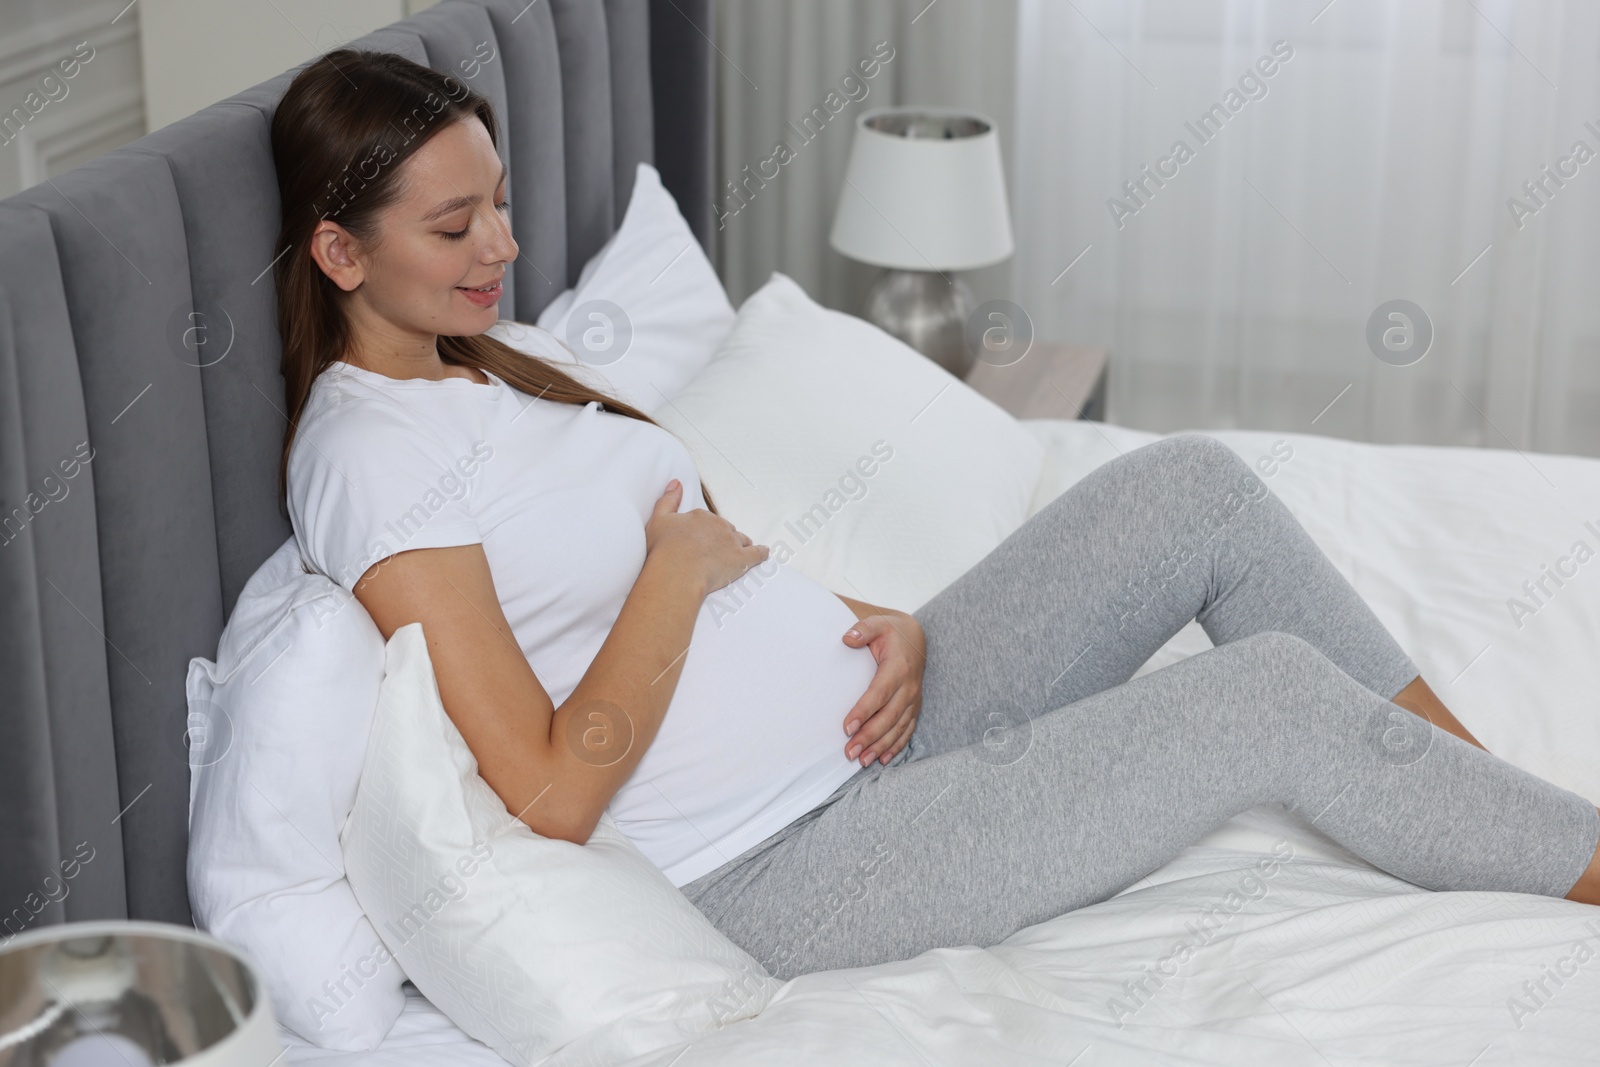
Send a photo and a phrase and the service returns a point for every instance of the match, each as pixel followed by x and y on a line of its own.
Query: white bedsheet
pixel 1328 961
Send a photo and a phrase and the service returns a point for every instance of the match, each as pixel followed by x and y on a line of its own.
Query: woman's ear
pixel 334 249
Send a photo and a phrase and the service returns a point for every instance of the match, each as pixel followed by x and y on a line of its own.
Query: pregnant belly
pixel 754 734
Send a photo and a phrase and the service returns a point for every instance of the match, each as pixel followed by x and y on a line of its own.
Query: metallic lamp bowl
pixel 131 994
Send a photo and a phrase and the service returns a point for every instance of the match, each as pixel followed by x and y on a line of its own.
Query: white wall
pixel 150 62
pixel 197 52
pixel 50 122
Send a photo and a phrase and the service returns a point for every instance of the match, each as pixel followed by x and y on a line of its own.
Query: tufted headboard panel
pixel 142 413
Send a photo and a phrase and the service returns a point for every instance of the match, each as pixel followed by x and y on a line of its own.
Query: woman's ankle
pixel 1418 699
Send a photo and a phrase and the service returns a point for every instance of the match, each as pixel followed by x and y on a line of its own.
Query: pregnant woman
pixel 831 782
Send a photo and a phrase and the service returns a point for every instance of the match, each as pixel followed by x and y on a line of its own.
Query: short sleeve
pixel 366 483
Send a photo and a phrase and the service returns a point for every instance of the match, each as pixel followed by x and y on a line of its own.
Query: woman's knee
pixel 1291 674
pixel 1281 707
pixel 1280 653
pixel 1201 450
pixel 1181 475
pixel 1208 462
pixel 1200 477
pixel 1304 692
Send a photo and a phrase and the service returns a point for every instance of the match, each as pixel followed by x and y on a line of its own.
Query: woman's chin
pixel 475 321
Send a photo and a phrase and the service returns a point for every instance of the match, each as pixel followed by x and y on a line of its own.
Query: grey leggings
pixel 1040 778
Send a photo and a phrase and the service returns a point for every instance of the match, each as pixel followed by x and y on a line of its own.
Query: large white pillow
pixel 277 733
pixel 532 945
pixel 885 475
pixel 648 309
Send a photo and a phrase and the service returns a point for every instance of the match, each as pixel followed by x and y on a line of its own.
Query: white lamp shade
pixel 923 190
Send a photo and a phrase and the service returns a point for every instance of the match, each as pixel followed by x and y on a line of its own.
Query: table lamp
pixel 924 194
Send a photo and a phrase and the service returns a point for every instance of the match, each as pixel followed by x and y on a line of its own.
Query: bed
pixel 129 566
pixel 1336 962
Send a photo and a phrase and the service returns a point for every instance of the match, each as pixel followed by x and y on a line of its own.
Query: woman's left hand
pixel 880 723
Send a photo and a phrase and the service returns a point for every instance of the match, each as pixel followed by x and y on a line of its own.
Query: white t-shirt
pixel 558 494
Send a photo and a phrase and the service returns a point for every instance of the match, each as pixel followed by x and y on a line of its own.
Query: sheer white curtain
pixel 1384 158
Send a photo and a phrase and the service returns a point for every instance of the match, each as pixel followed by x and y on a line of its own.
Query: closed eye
pixel 456 235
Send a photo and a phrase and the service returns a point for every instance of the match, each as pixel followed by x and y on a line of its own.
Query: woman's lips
pixel 483 297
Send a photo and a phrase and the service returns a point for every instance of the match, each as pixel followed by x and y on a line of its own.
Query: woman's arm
pixel 557 769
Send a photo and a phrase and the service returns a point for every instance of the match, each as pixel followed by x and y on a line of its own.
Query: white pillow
pixel 885 475
pixel 532 945
pixel 648 309
pixel 277 732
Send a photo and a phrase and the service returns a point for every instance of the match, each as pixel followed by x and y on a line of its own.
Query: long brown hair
pixel 348 122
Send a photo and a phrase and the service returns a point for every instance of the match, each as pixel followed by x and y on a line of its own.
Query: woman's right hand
pixel 699 541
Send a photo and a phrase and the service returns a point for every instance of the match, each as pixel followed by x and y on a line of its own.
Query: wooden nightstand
pixel 1054 380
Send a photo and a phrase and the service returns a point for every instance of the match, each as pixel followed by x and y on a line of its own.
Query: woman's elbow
pixel 571 818
pixel 575 829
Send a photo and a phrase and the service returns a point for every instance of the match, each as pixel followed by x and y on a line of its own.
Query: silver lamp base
pixel 927 312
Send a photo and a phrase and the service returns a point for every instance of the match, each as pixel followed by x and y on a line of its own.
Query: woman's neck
pixel 396 354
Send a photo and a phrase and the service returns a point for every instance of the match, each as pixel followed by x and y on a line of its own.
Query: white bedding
pixel 1334 962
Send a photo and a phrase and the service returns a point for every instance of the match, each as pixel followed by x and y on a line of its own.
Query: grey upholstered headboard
pixel 137 488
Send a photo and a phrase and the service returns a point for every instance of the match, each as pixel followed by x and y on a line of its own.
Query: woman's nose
pixel 501 247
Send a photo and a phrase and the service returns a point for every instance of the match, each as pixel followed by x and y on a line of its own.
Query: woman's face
pixel 438 255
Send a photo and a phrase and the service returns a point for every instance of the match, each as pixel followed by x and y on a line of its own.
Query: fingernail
pixel 852 633
pixel 851 726
pixel 884 758
pixel 870 757
pixel 852 751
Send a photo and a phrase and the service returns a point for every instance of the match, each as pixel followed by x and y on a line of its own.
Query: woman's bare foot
pixel 1587 891
pixel 1420 700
